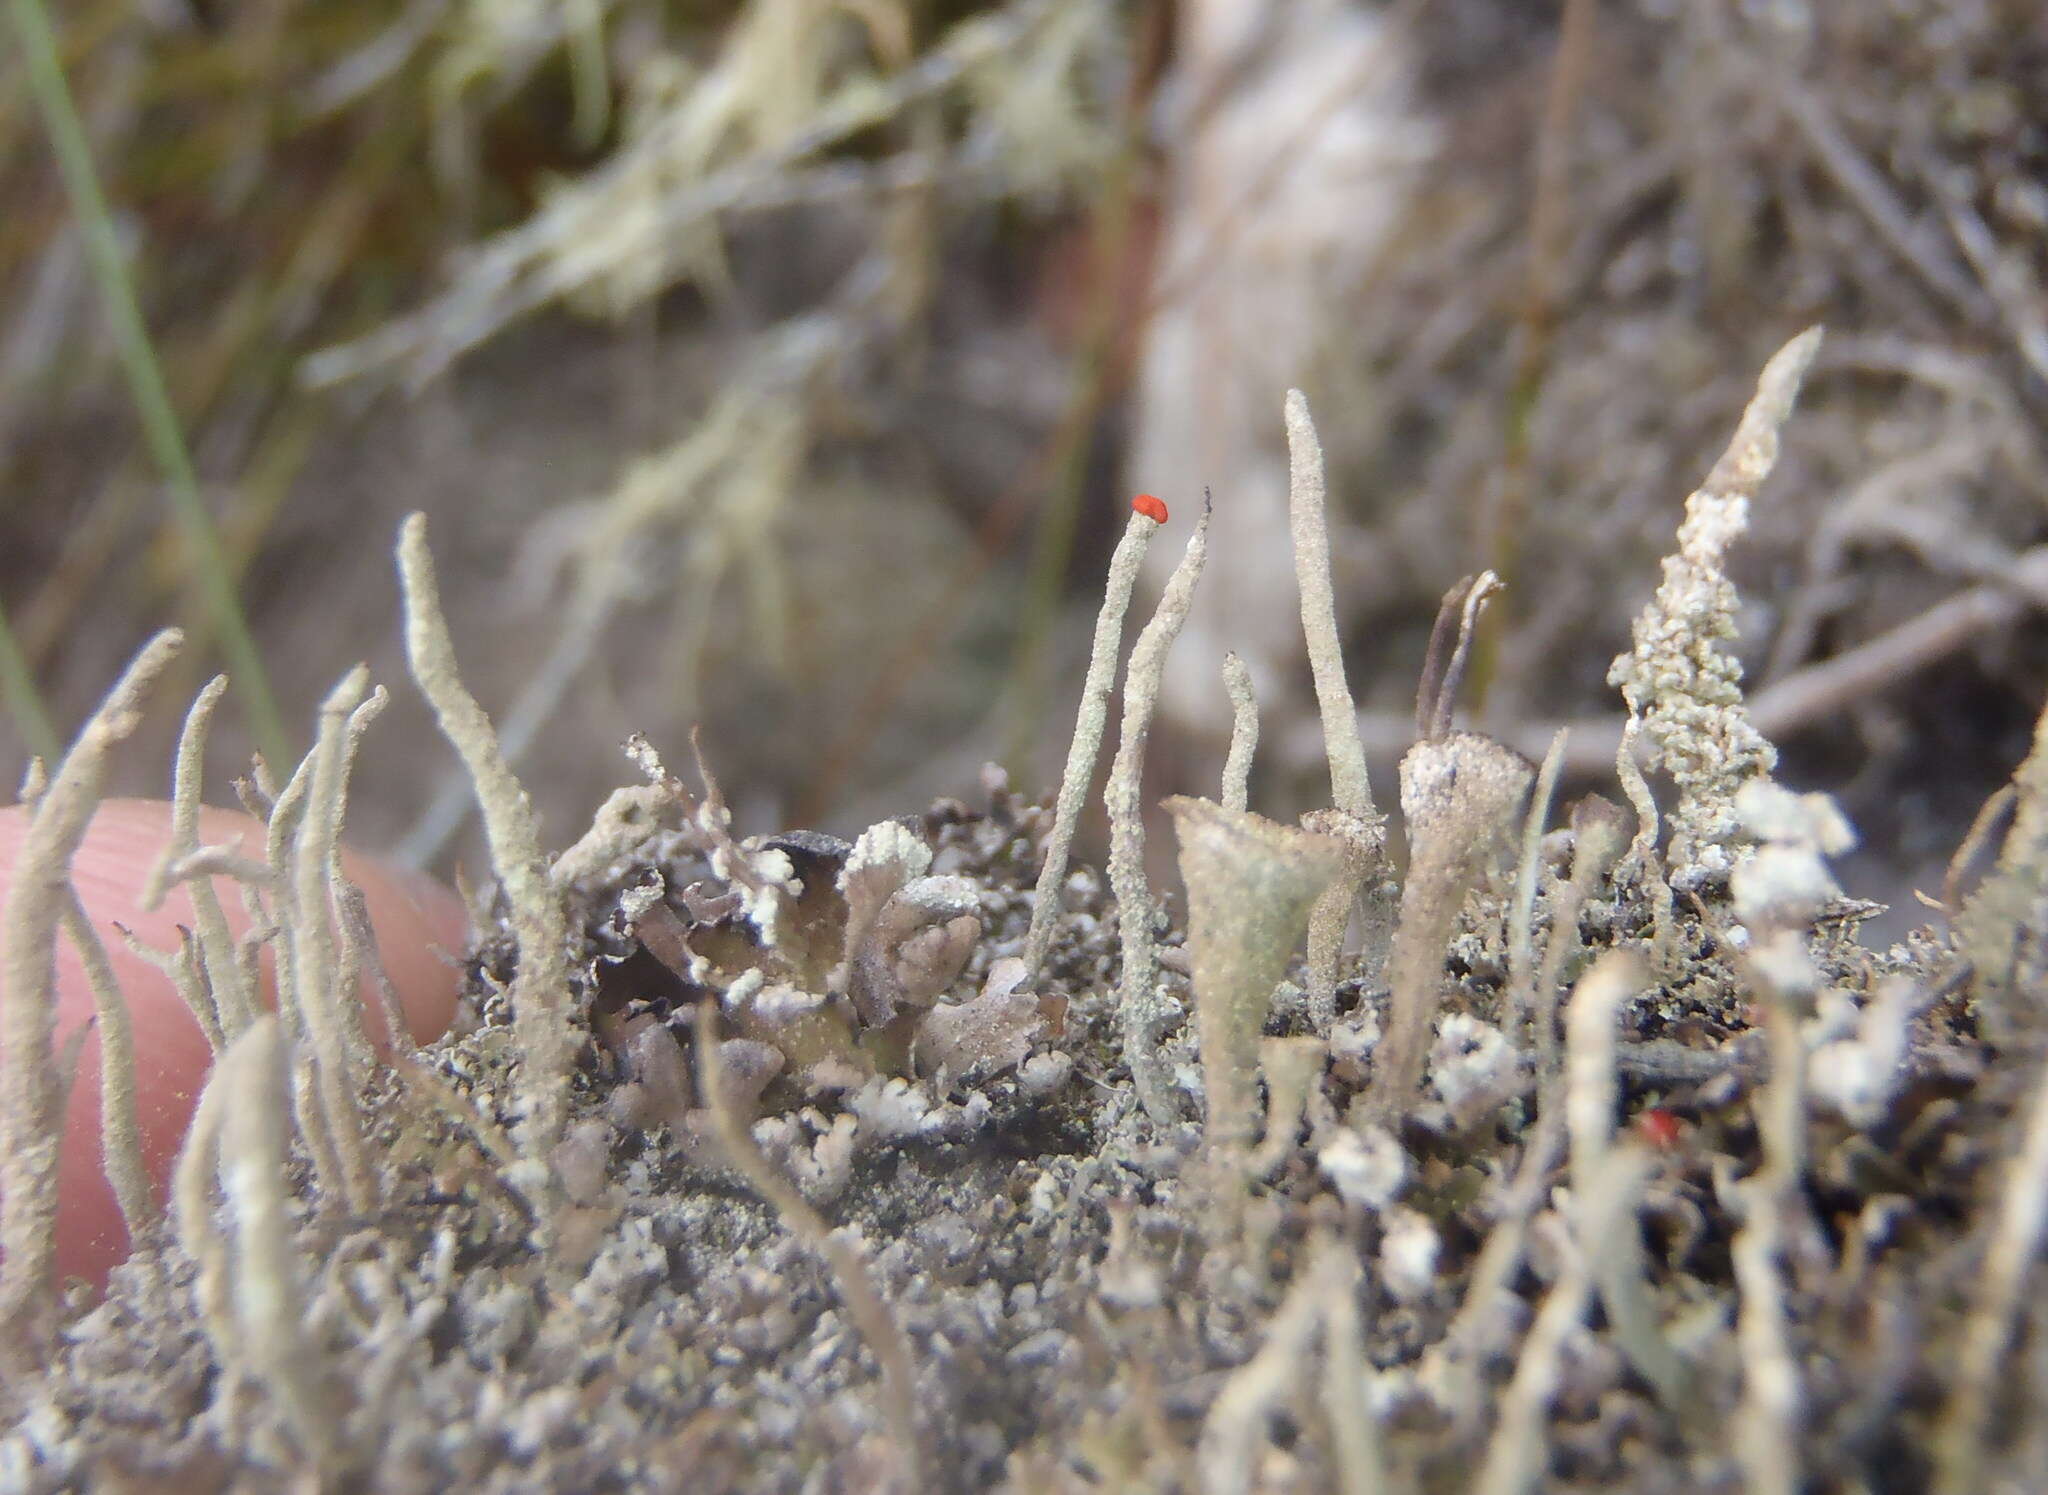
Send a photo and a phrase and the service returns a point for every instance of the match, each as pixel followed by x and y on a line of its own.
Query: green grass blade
pixel 145 374
pixel 24 701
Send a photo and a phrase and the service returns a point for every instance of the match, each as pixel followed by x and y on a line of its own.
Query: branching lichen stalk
pixel 1086 745
pixel 1143 1012
pixel 233 998
pixel 183 969
pixel 325 1008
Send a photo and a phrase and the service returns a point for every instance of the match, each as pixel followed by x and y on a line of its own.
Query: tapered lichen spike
pixel 540 988
pixel 30 1102
pixel 1143 1011
pixel 1244 733
pixel 1677 678
pixel 1086 745
pixel 1350 786
pixel 324 1007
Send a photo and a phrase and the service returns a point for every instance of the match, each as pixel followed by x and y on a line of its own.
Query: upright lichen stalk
pixel 1086 744
pixel 1144 1011
pixel 233 1001
pixel 1460 793
pixel 1244 734
pixel 1684 688
pixel 265 1292
pixel 1350 785
pixel 1354 821
pixel 326 1009
pixel 540 988
pixel 31 1125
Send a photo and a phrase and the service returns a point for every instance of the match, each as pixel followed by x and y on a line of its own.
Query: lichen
pixel 847 1191
pixel 1678 680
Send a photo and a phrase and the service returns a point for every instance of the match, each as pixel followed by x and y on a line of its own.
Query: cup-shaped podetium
pixel 1251 883
pixel 1460 794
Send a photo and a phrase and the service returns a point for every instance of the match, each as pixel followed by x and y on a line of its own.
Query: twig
pixel 1815 693
pixel 1867 190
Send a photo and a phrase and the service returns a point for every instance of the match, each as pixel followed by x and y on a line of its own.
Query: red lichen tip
pixel 1659 1128
pixel 1152 508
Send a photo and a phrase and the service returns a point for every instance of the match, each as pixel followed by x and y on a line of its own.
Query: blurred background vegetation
pixel 786 365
